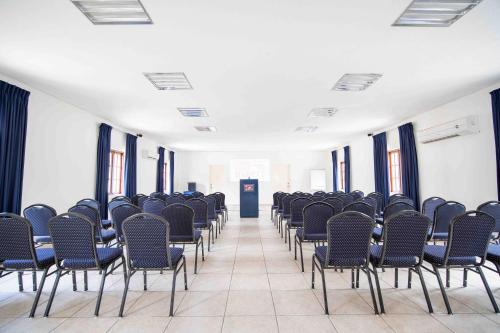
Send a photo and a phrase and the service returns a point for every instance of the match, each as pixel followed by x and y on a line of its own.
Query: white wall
pixel 461 168
pixel 194 166
pixel 60 157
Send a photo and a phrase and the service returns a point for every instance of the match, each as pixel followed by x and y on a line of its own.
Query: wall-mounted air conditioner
pixel 149 154
pixel 459 127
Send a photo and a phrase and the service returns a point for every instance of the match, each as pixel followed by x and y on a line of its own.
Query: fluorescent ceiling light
pixel 356 82
pixel 306 129
pixel 193 112
pixel 434 13
pixel 169 81
pixel 206 128
pixel 113 11
pixel 322 112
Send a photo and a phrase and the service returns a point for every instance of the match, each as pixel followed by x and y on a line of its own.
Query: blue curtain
pixel 103 151
pixel 172 157
pixel 334 166
pixel 409 163
pixel 380 165
pixel 13 123
pixel 495 103
pixel 131 166
pixel 347 167
pixel 159 170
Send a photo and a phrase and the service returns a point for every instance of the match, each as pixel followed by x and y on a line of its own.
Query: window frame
pixel 342 175
pixel 393 173
pixel 112 169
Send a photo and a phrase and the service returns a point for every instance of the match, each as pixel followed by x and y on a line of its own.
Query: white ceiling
pixel 258 66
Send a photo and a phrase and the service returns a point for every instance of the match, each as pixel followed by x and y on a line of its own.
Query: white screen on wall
pixel 318 180
pixel 250 168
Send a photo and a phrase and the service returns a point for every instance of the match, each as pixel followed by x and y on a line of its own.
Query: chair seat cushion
pixel 434 254
pixel 107 235
pixel 212 217
pixel 106 224
pixel 376 255
pixel 377 234
pixel 310 237
pixel 202 225
pixel 493 254
pixel 45 259
pixel 42 239
pixel 106 256
pixel 295 224
pixel 320 253
pixel 379 220
pixel 185 239
pixel 159 261
pixel 440 235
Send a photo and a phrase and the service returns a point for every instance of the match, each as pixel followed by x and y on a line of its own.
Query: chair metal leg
pixel 196 257
pixel 367 271
pixel 465 278
pixel 325 296
pixel 185 273
pixel 52 293
pixel 101 289
pixel 73 277
pixel 301 257
pixel 396 278
pixel 286 231
pixel 20 280
pixel 85 281
pixel 424 288
pixel 38 293
pixel 409 278
pixel 33 276
pixel 357 278
pixel 203 248
pixel 125 291
pixel 447 278
pixel 172 295
pixel 289 240
pixel 312 272
pixel 124 269
pixel 379 291
pixel 213 238
pixel 295 247
pixel 443 292
pixel 145 277
pixel 488 290
pixel 353 285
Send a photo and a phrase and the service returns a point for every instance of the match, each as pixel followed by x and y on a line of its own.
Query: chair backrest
pixel 122 198
pixel 330 195
pixel 346 199
pixel 222 198
pixel 218 201
pixel 73 237
pixel 396 196
pixel 305 194
pixel 336 203
pixel 429 206
pixel 173 199
pixel 153 206
pixel 361 207
pixel 157 195
pixel 297 206
pixel 492 208
pixel 138 199
pixel 210 199
pixel 89 202
pixel 349 235
pixel 316 215
pixel 39 216
pixel 200 208
pixel 16 238
pixel 395 208
pixel 119 214
pixel 117 202
pixel 469 235
pixel 371 201
pixel 405 200
pixel 91 214
pixel 181 220
pixel 280 200
pixel 405 235
pixel 444 214
pixel 317 197
pixel 379 197
pixel 147 239
pixel 197 194
pixel 286 204
pixel 176 193
pixel 356 194
pixel 275 198
pixel 320 193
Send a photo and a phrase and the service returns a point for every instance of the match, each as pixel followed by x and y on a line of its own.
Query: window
pixel 165 177
pixel 342 175
pixel 115 176
pixel 394 160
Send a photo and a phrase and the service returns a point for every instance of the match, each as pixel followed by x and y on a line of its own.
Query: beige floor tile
pixel 203 303
pixel 415 323
pixel 282 266
pixel 249 267
pixel 288 281
pixel 250 303
pixel 296 302
pixel 465 323
pixel 195 324
pixel 298 324
pixel 345 302
pixel 138 324
pixel 249 282
pixel 250 324
pixel 211 282
pixel 23 324
pixel 152 303
pixel 94 325
pixel 360 323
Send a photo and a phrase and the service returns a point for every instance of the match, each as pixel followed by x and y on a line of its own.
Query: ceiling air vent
pixel 356 82
pixel 113 11
pixel 206 128
pixel 434 13
pixel 322 112
pixel 169 81
pixel 306 129
pixel 193 112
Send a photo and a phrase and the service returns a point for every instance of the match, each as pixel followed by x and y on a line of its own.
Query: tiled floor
pixel 250 282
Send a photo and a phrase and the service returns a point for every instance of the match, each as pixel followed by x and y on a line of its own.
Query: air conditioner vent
pixel 323 112
pixel 206 128
pixel 113 11
pixel 193 112
pixel 451 129
pixel 169 81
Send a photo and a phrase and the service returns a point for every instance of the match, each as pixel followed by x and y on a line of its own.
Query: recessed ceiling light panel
pixel 322 112
pixel 169 81
pixel 434 13
pixel 306 129
pixel 206 128
pixel 193 112
pixel 113 11
pixel 356 82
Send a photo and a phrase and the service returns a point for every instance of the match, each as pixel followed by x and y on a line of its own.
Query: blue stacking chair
pixel 182 231
pixel 320 193
pixel 119 214
pixel 122 198
pixel 197 194
pixel 361 207
pixel 201 221
pixel 274 206
pixel 468 238
pixel 286 211
pixel 356 194
pixel 315 216
pixel 429 206
pixel 389 210
pixel 443 215
pixel 153 206
pixel 379 199
pixel 336 203
pixel 296 218
pixel 117 201
pixel 346 199
pixel 317 197
pixel 404 238
pixel 158 195
pixel 147 237
pixel 493 256
pixel 223 207
pixel 106 224
pixel 74 240
pixel 39 216
pixel 396 196
pixel 279 211
pixel 103 236
pixel 492 208
pixel 138 200
pixel 212 215
pixel 173 199
pixel 348 236
pixel 219 207
pixel 18 253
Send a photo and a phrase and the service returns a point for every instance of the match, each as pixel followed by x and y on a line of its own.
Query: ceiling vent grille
pixel 306 129
pixel 356 82
pixel 113 11
pixel 322 112
pixel 206 128
pixel 193 112
pixel 434 13
pixel 169 81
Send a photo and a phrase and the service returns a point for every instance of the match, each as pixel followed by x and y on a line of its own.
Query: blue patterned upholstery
pixel 106 235
pixel 321 251
pixel 316 198
pixel 361 207
pixel 158 195
pixel 336 203
pixel 287 205
pixel 89 202
pixel 181 220
pixel 296 207
pixel 435 254
pixel 45 258
pixel 429 206
pixel 184 239
pixel 15 238
pixel 106 224
pixel 379 199
pixel 105 255
pixel 139 199
pixel 493 254
pixel 200 209
pixel 39 216
pixel 395 208
pixel 403 261
pixel 443 215
pixel 210 199
pixel 396 196
pixel 316 216
pixel 153 206
pixel 175 199
pixel 356 195
pixel 119 214
pixel 492 208
pixel 377 234
pixel 117 202
pixel 92 215
pixel 310 237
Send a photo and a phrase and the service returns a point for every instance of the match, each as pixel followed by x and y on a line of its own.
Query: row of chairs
pixel 401 243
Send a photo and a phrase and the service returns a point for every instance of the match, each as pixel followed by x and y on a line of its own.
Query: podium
pixel 249 198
